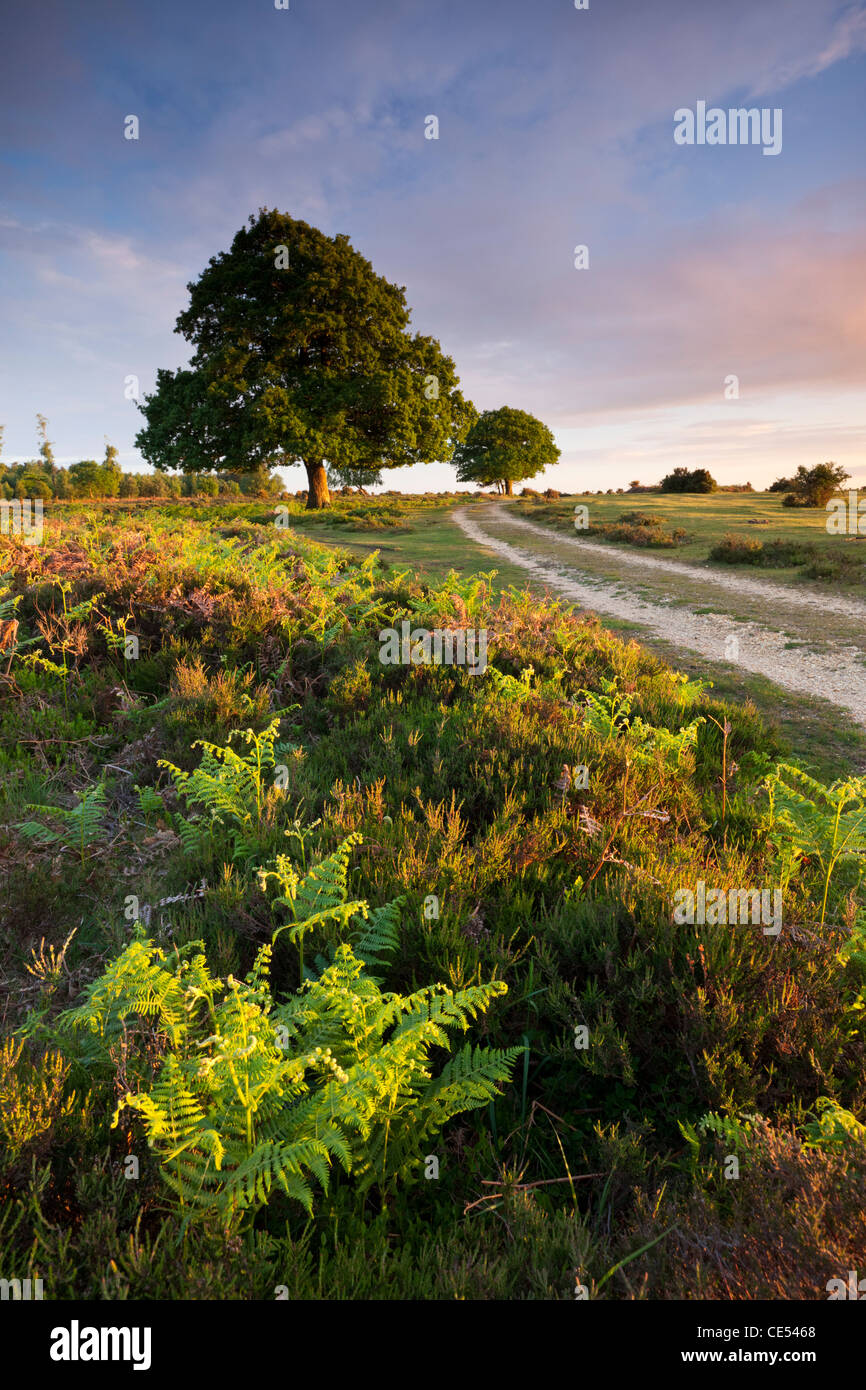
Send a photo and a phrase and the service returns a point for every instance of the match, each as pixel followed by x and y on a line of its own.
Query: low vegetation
pixel 358 980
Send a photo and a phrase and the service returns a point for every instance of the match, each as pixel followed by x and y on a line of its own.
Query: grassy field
pixel 813 555
pixel 359 979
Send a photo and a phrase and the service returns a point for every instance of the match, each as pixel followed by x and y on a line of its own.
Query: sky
pixel 556 126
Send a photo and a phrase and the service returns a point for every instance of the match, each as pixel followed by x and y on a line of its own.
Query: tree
pixel 60 484
pixel 360 478
pixel 152 485
pixel 302 355
pixel 687 480
pixel 45 450
pixel 86 477
pixel 813 487
pixel 111 470
pixel 504 446
pixel 33 483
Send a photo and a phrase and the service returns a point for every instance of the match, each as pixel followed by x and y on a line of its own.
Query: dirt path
pixel 837 675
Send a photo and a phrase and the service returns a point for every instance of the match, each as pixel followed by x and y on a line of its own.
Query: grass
pixel 508 869
pixel 792 541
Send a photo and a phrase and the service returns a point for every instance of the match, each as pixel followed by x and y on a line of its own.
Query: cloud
pixel 555 129
pixel 847 38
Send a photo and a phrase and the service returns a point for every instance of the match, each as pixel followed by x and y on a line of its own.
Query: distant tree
pixel 86 478
pixel 46 452
pixel 260 483
pixel 60 484
pixel 781 485
pixel 634 484
pixel 703 481
pixel 360 478
pixel 33 484
pixel 503 447
pixel 111 471
pixel 689 480
pixel 302 355
pixel 152 485
pixel 813 487
pixel 128 485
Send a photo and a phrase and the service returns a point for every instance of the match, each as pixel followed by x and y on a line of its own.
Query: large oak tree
pixel 302 355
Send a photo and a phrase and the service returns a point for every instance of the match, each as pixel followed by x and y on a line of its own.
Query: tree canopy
pixel 503 447
pixel 811 487
pixel 689 480
pixel 302 355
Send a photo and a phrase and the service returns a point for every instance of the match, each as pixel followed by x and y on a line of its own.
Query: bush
pixel 737 550
pixel 681 480
pixel 813 487
pixel 743 550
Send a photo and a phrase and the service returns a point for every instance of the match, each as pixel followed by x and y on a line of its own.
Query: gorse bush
pixel 255 1094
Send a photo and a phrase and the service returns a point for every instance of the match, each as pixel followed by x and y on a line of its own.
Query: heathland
pixel 347 979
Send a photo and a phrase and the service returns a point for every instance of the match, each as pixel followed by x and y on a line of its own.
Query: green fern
pixel 319 900
pixel 80 827
pixel 824 823
pixel 233 788
pixel 604 711
pixel 150 802
pixel 833 1127
pixel 255 1095
pixel 673 747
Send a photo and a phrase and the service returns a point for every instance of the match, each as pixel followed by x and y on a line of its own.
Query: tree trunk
pixel 508 490
pixel 318 495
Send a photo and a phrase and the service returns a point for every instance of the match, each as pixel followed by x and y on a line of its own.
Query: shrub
pixel 683 480
pixel 255 1095
pixel 813 487
pixel 737 550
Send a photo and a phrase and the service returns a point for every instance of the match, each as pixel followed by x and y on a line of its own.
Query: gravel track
pixel 837 676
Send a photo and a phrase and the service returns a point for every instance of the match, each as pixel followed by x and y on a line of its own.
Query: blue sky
pixel 555 129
